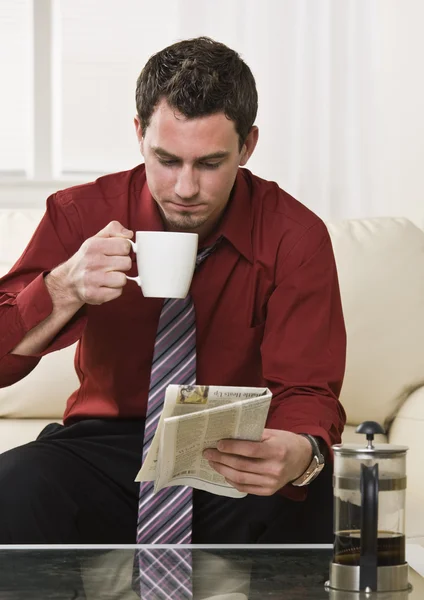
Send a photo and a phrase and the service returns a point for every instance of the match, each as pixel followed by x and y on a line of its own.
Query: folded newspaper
pixel 196 417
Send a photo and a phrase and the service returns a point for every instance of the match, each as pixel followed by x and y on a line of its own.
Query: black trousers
pixel 75 485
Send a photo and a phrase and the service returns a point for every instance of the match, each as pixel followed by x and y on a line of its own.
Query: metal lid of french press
pixel 370 429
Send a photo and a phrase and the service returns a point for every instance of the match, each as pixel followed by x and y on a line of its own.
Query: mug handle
pixel 136 279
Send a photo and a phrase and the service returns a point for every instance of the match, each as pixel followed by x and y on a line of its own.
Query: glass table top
pixel 215 573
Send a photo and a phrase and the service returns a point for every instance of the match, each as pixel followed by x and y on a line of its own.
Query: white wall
pixel 400 99
pixel 340 86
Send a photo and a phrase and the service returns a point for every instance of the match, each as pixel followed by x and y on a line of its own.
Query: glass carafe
pixel 369 508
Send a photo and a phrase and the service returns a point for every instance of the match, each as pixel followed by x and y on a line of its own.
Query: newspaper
pixel 196 417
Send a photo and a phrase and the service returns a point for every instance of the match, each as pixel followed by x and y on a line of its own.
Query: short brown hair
pixel 199 77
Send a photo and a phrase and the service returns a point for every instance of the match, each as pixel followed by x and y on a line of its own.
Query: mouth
pixel 185 207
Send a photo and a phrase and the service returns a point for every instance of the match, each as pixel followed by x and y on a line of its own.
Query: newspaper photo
pixel 197 417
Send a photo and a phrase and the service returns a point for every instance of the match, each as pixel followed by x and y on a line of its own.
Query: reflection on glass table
pixel 218 573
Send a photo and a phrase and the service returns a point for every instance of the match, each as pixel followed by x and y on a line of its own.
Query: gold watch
pixel 316 465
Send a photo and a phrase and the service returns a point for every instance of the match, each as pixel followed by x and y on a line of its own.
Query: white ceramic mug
pixel 165 261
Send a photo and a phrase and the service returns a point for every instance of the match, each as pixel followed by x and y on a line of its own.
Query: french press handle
pixel 368 560
pixel 369 528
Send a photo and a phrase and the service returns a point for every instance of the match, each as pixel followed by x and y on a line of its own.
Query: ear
pixel 249 145
pixel 139 133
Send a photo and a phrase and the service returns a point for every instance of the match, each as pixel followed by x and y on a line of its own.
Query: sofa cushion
pixel 381 271
pixel 15 432
pixel 407 429
pixel 43 393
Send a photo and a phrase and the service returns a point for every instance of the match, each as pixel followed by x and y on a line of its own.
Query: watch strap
pixel 316 465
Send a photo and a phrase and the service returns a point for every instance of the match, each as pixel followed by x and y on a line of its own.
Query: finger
pixel 118 263
pixel 256 490
pixel 241 477
pixel 239 463
pixel 116 246
pixel 114 279
pixel 113 229
pixel 243 448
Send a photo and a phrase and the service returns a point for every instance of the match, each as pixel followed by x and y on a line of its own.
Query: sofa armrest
pixel 43 393
pixel 408 429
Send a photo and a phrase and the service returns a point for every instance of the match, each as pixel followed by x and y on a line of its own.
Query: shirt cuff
pixel 35 305
pixel 34 302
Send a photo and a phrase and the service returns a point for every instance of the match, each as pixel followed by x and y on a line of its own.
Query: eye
pixel 167 163
pixel 210 165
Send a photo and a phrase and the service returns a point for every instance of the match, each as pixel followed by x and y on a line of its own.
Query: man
pixel 267 307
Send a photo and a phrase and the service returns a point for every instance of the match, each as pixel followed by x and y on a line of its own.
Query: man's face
pixel 191 165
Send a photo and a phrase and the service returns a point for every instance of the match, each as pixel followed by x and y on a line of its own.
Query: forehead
pixel 184 137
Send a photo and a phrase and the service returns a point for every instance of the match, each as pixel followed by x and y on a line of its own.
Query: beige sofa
pixel 381 271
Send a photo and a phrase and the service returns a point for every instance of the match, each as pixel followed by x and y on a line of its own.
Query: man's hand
pixel 261 468
pixel 95 274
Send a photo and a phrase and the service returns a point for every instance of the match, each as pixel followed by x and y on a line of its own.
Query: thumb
pixel 266 435
pixel 114 229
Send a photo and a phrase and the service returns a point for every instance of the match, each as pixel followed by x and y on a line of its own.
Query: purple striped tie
pixel 166 517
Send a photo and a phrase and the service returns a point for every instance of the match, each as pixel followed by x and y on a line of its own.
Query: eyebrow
pixel 162 152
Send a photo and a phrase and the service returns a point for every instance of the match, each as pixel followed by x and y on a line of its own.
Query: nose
pixel 187 184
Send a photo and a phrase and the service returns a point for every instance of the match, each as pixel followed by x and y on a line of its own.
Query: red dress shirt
pixel 267 301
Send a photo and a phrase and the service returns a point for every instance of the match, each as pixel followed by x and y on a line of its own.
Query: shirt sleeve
pixel 304 345
pixel 24 299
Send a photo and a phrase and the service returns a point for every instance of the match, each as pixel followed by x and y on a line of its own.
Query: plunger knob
pixel 370 428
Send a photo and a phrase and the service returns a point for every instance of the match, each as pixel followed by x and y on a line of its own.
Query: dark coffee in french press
pixel 390 548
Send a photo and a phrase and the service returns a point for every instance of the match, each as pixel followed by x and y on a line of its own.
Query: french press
pixel 369 516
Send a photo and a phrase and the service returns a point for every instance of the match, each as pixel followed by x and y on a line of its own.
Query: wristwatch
pixel 316 465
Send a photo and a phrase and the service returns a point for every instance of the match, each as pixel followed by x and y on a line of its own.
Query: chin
pixel 185 223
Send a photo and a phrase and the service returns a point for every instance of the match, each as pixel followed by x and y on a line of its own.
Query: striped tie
pixel 164 573
pixel 166 517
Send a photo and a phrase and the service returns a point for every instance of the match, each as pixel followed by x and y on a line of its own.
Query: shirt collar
pixel 235 225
